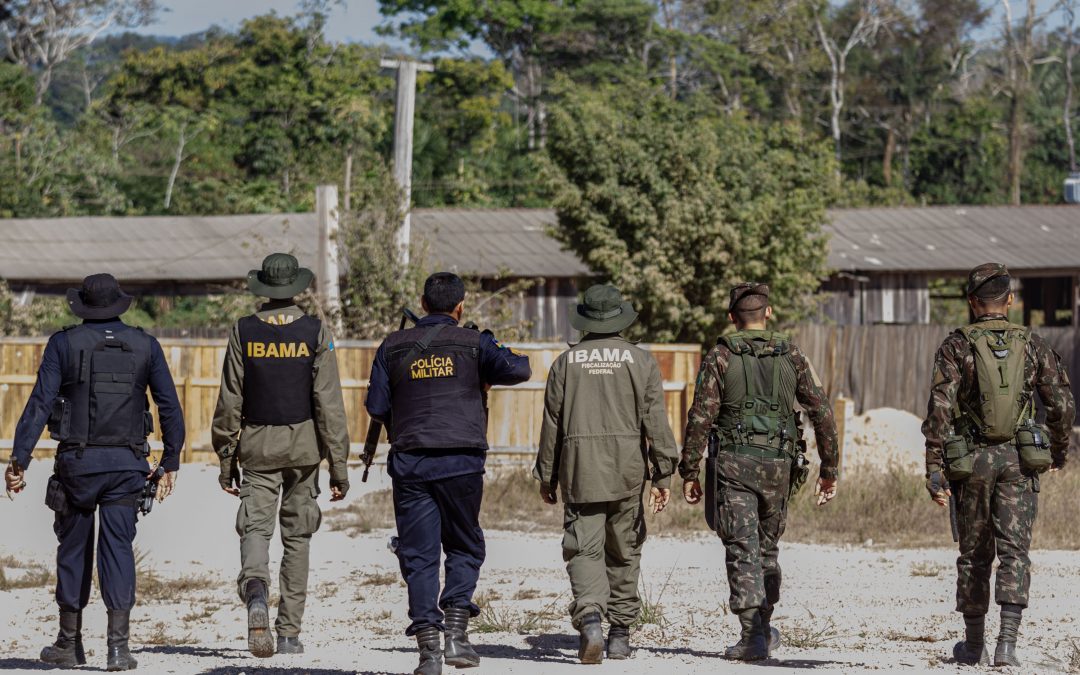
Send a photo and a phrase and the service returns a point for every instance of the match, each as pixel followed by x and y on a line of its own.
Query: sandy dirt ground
pixel 844 610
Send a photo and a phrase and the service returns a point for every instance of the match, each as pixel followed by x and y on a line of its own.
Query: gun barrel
pixel 953 519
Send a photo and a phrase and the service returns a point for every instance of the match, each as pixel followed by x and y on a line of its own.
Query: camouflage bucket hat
pixel 984 274
pixel 603 310
pixel 280 278
pixel 745 290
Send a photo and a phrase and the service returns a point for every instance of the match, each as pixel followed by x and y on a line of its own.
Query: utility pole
pixel 403 141
pixel 327 271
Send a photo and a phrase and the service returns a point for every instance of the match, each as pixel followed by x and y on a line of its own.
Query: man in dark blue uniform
pixel 91 390
pixel 428 386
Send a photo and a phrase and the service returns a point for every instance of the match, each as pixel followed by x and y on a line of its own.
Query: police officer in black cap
pixel 91 391
pixel 428 387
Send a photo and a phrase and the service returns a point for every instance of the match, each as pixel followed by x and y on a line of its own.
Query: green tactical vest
pixel 761 378
pixel 999 348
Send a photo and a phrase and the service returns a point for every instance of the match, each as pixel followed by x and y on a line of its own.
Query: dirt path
pixel 844 610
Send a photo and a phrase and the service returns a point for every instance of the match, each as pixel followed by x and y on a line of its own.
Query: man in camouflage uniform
pixel 754 472
pixel 997 504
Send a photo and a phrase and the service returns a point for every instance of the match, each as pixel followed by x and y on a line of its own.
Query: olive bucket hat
pixel 99 298
pixel 603 310
pixel 280 278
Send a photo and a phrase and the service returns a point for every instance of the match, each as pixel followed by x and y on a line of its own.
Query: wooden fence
pixel 890 366
pixel 515 412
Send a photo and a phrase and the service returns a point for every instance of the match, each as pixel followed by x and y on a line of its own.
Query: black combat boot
pixel 1005 654
pixel 289 645
pixel 260 642
pixel 772 635
pixel 427 642
pixel 972 649
pixel 591 646
pixel 458 652
pixel 67 650
pixel 618 643
pixel 116 634
pixel 751 645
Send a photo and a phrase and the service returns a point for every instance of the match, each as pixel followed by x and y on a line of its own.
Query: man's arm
pixel 500 364
pixel 331 425
pixel 170 414
pixel 944 388
pixel 663 451
pixel 708 397
pixel 1052 383
pixel 377 402
pixel 815 402
pixel 226 426
pixel 546 469
pixel 39 406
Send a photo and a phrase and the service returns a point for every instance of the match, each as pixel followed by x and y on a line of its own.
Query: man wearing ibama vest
pixel 279 413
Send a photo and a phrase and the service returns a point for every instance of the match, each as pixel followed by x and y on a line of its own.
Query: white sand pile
pixel 880 438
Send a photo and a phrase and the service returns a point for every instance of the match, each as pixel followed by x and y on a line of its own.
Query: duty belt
pixel 757 451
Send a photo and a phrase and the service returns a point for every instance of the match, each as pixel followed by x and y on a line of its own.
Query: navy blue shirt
pixel 498 365
pixel 98 459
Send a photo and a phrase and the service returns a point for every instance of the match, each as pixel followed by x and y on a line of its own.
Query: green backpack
pixel 999 348
pixel 765 418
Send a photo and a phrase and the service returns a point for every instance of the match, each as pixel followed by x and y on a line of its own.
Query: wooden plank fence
pixel 515 412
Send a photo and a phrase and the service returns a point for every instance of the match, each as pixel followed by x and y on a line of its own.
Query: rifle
pixel 954 523
pixel 374 430
pixel 150 490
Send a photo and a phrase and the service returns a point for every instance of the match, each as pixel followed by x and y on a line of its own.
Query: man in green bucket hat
pixel 605 433
pixel 280 412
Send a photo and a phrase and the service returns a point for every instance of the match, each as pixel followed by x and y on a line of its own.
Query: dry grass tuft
pixel 159 635
pixel 379 579
pixel 925 568
pixel 151 587
pixel 494 619
pixel 29 574
pixel 814 634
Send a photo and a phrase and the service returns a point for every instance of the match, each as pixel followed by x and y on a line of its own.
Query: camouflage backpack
pixel 999 349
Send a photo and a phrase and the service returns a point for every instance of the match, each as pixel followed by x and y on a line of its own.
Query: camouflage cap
pixel 984 274
pixel 745 290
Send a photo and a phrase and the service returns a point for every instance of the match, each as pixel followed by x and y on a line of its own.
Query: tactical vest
pixel 279 375
pixel 102 400
pixel 1000 352
pixel 759 393
pixel 437 398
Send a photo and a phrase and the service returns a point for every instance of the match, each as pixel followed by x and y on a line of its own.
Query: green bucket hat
pixel 603 310
pixel 280 278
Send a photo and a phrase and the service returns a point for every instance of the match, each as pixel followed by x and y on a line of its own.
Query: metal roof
pixel 207 249
pixel 954 239
pixel 514 242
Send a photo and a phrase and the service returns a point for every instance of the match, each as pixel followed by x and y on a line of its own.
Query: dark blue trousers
pixel 115 497
pixel 433 516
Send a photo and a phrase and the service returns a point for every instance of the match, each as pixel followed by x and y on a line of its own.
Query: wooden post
pixel 403 141
pixel 842 409
pixel 327 271
pixel 189 415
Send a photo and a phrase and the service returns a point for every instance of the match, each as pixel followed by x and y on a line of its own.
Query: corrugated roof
pixel 513 241
pixel 220 248
pixel 954 239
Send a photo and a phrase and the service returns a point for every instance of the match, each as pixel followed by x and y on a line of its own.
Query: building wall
pixel 866 299
pixel 545 306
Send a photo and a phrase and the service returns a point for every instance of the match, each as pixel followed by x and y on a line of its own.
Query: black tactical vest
pixel 437 399
pixel 102 400
pixel 279 366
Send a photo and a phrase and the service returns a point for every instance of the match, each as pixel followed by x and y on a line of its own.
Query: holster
pixel 56 497
pixel 712 477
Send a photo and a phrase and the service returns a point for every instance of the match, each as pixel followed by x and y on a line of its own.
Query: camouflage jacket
pixel 954 375
pixel 709 397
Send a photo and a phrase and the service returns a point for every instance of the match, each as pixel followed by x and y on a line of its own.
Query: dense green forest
pixel 914 108
pixel 685 144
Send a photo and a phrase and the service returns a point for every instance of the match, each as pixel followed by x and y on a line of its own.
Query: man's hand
pixel 548 494
pixel 338 489
pixel 230 475
pixel 826 490
pixel 691 491
pixel 658 499
pixel 938 488
pixel 14 479
pixel 165 485
pixel 1058 464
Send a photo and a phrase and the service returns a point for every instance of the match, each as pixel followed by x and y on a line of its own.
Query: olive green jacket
pixel 605 429
pixel 269 447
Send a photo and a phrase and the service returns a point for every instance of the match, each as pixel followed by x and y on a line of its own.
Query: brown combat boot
pixel 751 645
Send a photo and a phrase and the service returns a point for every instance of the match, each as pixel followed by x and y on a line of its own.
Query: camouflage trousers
pixel 602 549
pixel 996 512
pixel 751 503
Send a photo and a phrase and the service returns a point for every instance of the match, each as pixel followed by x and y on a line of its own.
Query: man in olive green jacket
pixel 279 413
pixel 605 432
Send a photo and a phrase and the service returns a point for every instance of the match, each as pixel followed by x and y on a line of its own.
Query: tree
pixel 41 34
pixel 676 205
